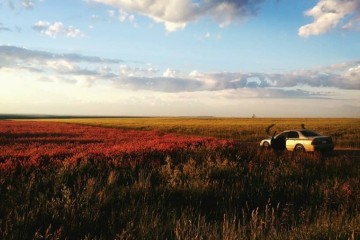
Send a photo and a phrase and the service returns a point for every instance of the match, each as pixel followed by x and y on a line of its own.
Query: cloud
pixel 352 25
pixel 122 15
pixel 127 71
pixel 90 70
pixel 94 17
pixel 170 73
pixel 3 28
pixel 160 84
pixel 176 14
pixel 65 66
pixel 269 93
pixel 26 4
pixel 57 28
pixel 341 76
pixel 10 4
pixel 11 54
pixel 328 14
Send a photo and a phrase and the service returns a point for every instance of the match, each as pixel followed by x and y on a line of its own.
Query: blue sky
pixel 271 58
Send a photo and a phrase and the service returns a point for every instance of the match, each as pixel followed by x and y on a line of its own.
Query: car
pixel 299 141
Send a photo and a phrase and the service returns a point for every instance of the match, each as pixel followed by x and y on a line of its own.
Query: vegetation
pixel 345 132
pixel 38 143
pixel 199 192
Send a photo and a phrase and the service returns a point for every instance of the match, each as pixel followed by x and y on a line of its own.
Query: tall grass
pixel 240 193
pixel 345 131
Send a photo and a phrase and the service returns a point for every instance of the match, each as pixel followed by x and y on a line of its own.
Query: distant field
pixel 345 131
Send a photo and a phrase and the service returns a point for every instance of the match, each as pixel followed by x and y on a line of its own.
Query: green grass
pixel 345 131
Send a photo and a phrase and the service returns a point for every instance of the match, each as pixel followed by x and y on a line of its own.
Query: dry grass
pixel 243 194
pixel 235 193
pixel 345 131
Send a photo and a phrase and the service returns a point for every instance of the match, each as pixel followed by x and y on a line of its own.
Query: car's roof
pixel 298 130
pixel 303 132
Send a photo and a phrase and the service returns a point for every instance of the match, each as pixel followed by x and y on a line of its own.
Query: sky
pixel 230 58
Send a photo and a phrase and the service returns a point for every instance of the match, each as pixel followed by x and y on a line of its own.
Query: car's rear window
pixel 309 134
pixel 293 134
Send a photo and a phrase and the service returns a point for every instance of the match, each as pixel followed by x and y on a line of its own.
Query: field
pixel 345 132
pixel 175 178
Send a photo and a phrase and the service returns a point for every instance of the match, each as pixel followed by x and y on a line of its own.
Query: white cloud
pixel 62 66
pixel 94 17
pixel 27 4
pixel 11 54
pixel 209 35
pixel 3 28
pixel 353 76
pixel 68 67
pixel 170 73
pixel 75 79
pixel 122 16
pixel 176 14
pixel 328 14
pixel 353 24
pixel 111 13
pixel 90 70
pixel 131 18
pixel 294 84
pixel 127 71
pixel 57 28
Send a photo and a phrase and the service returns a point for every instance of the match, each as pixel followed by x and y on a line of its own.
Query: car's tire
pixel 266 145
pixel 299 148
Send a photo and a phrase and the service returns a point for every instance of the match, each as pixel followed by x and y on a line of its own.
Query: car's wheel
pixel 266 145
pixel 299 148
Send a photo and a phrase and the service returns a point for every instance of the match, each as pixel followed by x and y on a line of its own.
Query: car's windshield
pixel 308 133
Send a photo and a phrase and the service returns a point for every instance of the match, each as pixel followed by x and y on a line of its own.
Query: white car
pixel 299 140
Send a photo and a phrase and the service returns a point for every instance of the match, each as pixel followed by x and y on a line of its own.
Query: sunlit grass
pixel 345 131
pixel 240 192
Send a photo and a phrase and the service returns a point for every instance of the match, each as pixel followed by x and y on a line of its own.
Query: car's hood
pixel 266 139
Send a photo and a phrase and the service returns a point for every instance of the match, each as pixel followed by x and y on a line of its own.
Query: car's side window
pixel 293 134
pixel 283 135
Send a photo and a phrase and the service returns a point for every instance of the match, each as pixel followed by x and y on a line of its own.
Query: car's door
pixel 279 142
pixel 291 140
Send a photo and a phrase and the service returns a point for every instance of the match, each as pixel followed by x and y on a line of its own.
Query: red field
pixel 28 143
pixel 70 181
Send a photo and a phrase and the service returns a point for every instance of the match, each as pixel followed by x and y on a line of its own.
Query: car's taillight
pixel 318 141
